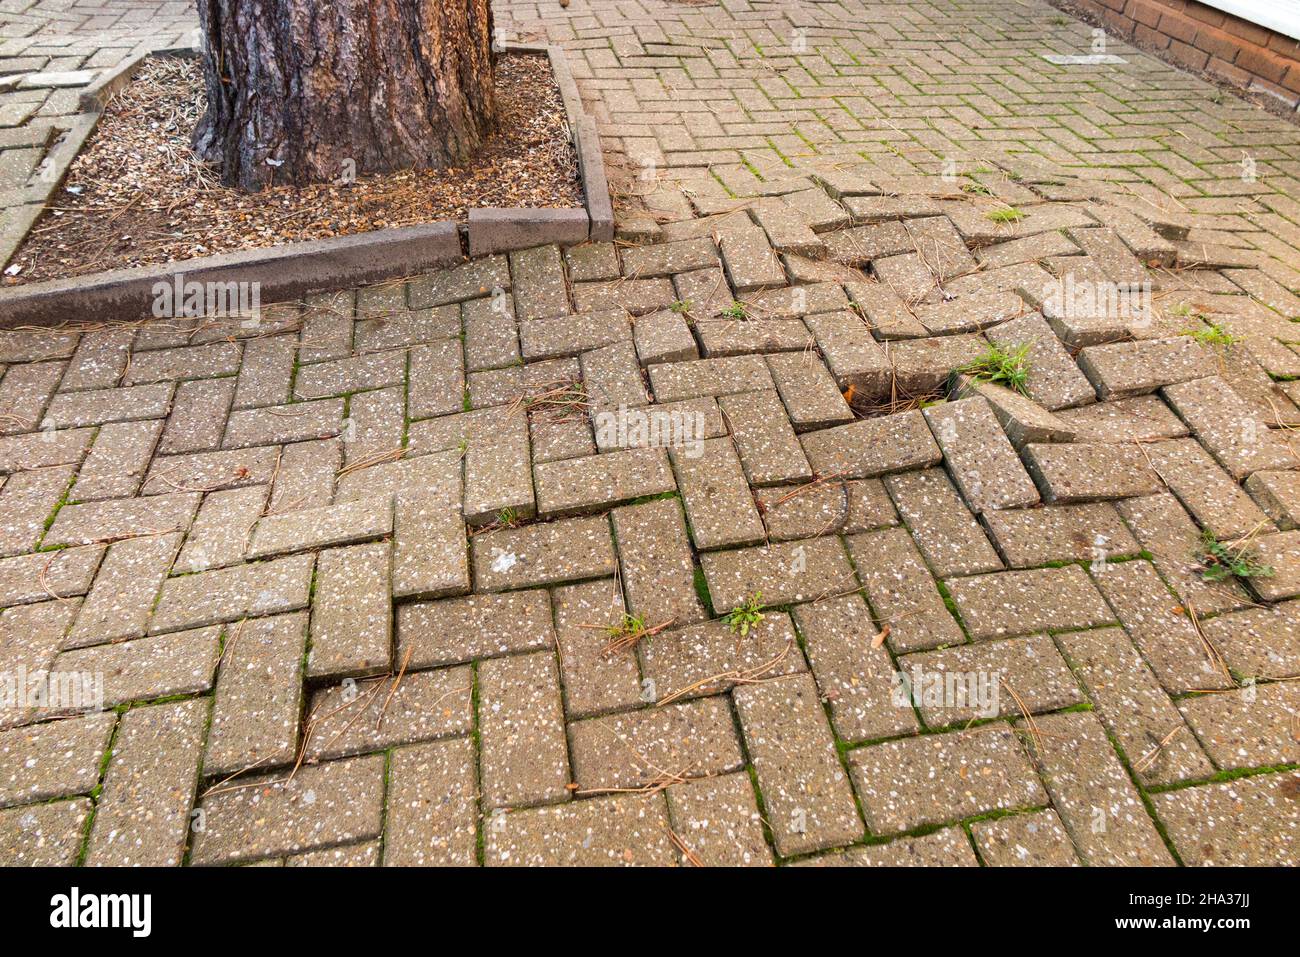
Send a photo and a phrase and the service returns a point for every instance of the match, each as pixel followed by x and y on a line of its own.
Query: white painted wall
pixel 1282 16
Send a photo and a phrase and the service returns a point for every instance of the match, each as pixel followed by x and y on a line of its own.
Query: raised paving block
pixel 855 679
pixel 1091 791
pixel 922 366
pixel 902 592
pixel 1022 419
pixel 453 630
pixel 227 594
pixel 655 557
pixel 707 658
pixel 854 358
pixel 322 806
pixel 1054 380
pixel 731 337
pixel 949 537
pixel 1278 494
pixel 143 814
pixel 935 778
pixel 1090 532
pixel 524 758
pixel 720 509
pixel 259 696
pixel 596 482
pixel 717 819
pixel 544 554
pixel 322 527
pixel 890 443
pixel 805 790
pixel 1234 823
pixel 183 662
pixel 750 262
pixel 432 812
pixel 1037 839
pixel 1089 471
pixel 351 623
pixel 664 337
pixel 125 590
pixel 654 745
pixel 980 456
pixel 51 760
pixel 1133 368
pixel 778 574
pixel 623 830
pixel 219 535
pixel 1019 602
pixel 1137 419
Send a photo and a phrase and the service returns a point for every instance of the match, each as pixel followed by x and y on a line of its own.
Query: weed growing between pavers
pixel 1006 367
pixel 1219 562
pixel 744 617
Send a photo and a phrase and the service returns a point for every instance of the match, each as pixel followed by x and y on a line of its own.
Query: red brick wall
pixel 1198 37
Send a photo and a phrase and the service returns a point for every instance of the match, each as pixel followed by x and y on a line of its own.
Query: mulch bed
pixel 136 195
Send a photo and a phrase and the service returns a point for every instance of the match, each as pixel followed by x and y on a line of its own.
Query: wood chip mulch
pixel 136 195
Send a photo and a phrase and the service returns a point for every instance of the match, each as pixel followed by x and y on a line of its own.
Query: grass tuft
pixel 1006 367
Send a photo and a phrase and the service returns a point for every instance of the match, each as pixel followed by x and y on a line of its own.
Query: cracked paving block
pixel 663 337
pixel 1019 602
pixel 805 790
pixel 980 456
pixel 351 622
pixel 1230 428
pixel 624 830
pixel 1134 707
pixel 1123 369
pixel 432 818
pixel 1091 532
pixel 255 716
pixel 1092 793
pixel 1089 471
pixel 44 835
pixel 454 630
pixel 812 398
pixel 118 604
pixel 904 596
pixel 856 680
pixel 1037 839
pixel 376 714
pixel 769 449
pixel 989 679
pixel 949 536
pixel 322 527
pixel 671 381
pixel 375 370
pixel 807 511
pixel 323 805
pixel 524 757
pixel 183 662
pixel 143 813
pixel 565 550
pixel 854 358
pixel 654 745
pixel 718 819
pixel 540 290
pixel 51 760
pixel 707 658
pixel 654 555
pixel 1257 726
pixel 1278 494
pixel 872 447
pixel 73 409
pixel 227 594
pixel 1204 489
pixel 568 336
pixel 778 574
pixel 720 509
pixel 596 679
pixel 1054 381
pixel 121 518
pixel 67 572
pixel 117 461
pixel 937 778
pixel 1235 823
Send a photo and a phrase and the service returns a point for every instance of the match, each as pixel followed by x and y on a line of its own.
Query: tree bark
pixel 303 91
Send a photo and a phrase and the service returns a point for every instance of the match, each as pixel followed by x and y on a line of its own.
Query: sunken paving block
pixel 548 553
pixel 708 377
pixel 751 263
pixel 524 756
pixel 1092 792
pixel 954 686
pixel 1037 839
pixel 1089 471
pixel 1054 380
pixel 322 527
pixel 1133 706
pixel 595 482
pixel 872 447
pixel 853 356
pixel 1230 428
pixel 1252 727
pixel 887 315
pixel 621 830
pixel 707 658
pixel 183 662
pixel 664 259
pixel 323 805
pixel 812 398
pixel 936 778
pixel 1021 602
pixel 980 456
pixel 777 574
pixel 858 245
pixel 902 592
pixel 1027 537
pixel 921 366
pixel 612 378
pixel 769 449
pixel 454 630
pixel 430 555
pixel 856 680
pixel 637 296
pixel 805 790
pixel 571 335
pixel 720 509
pixel 498 480
pixel 1234 823
pixel 949 536
pixel 228 594
pixel 655 745
pixel 1134 368
pixel 1137 419
pixel 655 557
pixel 351 622
pixel 970 313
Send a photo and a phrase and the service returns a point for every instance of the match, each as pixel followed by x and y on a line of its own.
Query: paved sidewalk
pixel 453 570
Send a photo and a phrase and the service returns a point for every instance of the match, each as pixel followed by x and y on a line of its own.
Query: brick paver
pixel 491 628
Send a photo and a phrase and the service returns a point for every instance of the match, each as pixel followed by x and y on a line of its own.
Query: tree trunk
pixel 303 91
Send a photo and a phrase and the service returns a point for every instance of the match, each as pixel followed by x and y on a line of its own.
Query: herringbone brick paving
pixel 356 576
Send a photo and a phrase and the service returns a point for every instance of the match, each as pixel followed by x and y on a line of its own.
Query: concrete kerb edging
pixel 294 269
